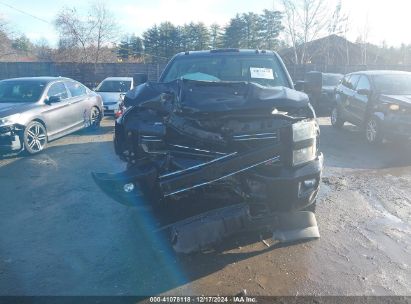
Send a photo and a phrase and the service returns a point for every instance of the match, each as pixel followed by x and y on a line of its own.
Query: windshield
pixel 263 70
pixel 120 86
pixel 331 79
pixel 396 84
pixel 21 90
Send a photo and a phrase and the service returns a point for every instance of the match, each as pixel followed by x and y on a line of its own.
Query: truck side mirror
pixel 299 86
pixel 140 78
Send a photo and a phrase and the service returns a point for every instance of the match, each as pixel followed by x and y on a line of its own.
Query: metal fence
pixel 91 74
pixel 87 73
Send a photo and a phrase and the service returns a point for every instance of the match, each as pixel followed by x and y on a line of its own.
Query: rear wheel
pixel 373 131
pixel 95 118
pixel 35 137
pixel 336 119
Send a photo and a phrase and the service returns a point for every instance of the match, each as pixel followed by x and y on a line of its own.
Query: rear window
pixel 263 70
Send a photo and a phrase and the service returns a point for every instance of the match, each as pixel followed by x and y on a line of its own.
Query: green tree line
pixel 162 41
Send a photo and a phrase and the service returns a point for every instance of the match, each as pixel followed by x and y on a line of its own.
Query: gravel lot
pixel 59 235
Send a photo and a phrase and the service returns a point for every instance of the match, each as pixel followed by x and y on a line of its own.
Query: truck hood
pixel 192 96
pixel 7 109
pixel 110 97
pixel 404 100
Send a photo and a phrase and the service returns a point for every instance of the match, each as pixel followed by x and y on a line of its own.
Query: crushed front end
pixel 195 148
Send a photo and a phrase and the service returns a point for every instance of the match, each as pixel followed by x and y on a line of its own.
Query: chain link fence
pixel 86 73
pixel 91 74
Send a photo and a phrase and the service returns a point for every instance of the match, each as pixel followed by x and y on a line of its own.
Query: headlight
pixel 394 107
pixel 9 120
pixel 304 130
pixel 304 155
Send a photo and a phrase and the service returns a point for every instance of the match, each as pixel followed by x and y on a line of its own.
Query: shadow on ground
pixel 60 235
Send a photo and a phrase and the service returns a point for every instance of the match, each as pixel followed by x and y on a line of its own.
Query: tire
pixel 35 137
pixel 311 207
pixel 95 118
pixel 336 120
pixel 373 131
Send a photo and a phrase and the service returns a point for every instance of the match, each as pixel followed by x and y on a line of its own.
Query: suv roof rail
pixel 224 50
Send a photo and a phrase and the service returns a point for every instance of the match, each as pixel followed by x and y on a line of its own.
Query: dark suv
pixel 222 136
pixel 377 101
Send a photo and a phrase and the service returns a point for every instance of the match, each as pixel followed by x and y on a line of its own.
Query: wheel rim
pixel 371 131
pixel 334 116
pixel 36 137
pixel 94 116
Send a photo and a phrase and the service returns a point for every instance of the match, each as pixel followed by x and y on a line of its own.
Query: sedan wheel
pixel 95 118
pixel 35 137
pixel 373 132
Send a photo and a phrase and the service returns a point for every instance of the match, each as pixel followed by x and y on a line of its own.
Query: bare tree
pixel 74 32
pixel 363 40
pixel 337 25
pixel 89 34
pixel 5 41
pixel 304 22
pixel 103 27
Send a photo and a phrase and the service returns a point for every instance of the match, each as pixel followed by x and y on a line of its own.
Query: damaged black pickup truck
pixel 221 144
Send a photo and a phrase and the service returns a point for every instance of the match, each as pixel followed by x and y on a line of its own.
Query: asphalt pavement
pixel 60 235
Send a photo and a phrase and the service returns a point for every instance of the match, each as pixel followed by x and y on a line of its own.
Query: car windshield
pixel 331 79
pixel 396 84
pixel 263 70
pixel 114 86
pixel 21 90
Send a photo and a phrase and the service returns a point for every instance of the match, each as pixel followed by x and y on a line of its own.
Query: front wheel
pixel 373 131
pixel 35 137
pixel 336 119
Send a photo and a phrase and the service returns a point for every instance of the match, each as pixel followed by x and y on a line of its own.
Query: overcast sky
pixel 387 20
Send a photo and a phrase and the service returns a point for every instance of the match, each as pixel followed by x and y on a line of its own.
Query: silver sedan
pixel 36 110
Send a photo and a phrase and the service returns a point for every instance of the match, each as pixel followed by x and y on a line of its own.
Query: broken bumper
pixel 10 139
pixel 290 189
pixel 295 188
pixel 202 232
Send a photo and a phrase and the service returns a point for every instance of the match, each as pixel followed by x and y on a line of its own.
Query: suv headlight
pixel 302 131
pixel 9 120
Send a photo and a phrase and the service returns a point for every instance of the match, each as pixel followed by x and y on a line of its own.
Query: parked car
pixel 112 91
pixel 320 88
pixel 36 110
pixel 221 142
pixel 378 101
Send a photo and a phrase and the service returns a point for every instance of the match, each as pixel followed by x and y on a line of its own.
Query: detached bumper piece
pixel 201 232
